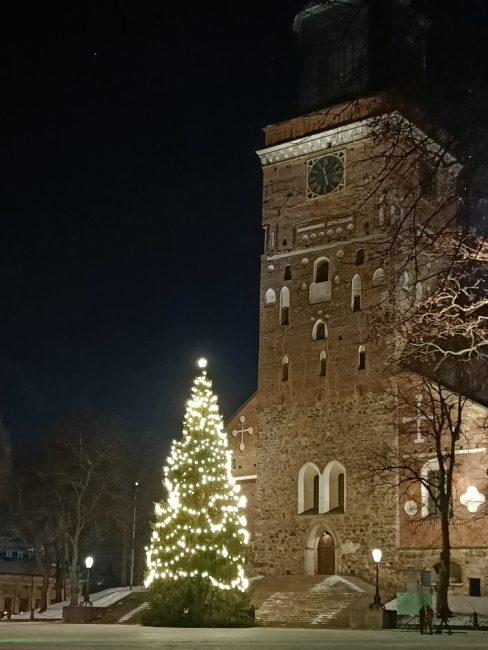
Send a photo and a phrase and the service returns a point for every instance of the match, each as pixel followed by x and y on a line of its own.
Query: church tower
pixel 303 443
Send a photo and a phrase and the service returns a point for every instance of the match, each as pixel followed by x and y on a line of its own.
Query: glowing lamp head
pixel 202 363
pixel 377 555
pixel 89 562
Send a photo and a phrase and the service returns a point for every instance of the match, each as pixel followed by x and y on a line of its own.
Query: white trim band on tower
pixel 341 135
pixel 315 142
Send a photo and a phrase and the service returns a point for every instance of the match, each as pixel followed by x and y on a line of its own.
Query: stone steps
pixel 128 615
pixel 313 601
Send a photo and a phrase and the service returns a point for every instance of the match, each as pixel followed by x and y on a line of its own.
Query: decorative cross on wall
pixel 472 498
pixel 249 431
pixel 418 418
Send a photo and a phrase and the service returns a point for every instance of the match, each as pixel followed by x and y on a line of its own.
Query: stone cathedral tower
pixel 303 441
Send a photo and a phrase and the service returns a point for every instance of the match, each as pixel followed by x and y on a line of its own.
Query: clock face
pixel 325 175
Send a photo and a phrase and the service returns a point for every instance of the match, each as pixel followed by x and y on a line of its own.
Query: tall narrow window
pixel 316 492
pixel 434 482
pixel 321 270
pixel 341 491
pixel 356 293
pixel 323 364
pixel 418 291
pixel 319 332
pixel 309 488
pixel 284 369
pixel 269 297
pixel 359 257
pixel 287 274
pixel 361 357
pixel 378 277
pixel 333 487
pixel 406 284
pixel 434 494
pixel 271 240
pixel 320 287
pixel 285 306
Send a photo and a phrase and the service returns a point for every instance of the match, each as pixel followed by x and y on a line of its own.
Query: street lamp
pixel 377 604
pixel 136 485
pixel 88 564
pixel 32 599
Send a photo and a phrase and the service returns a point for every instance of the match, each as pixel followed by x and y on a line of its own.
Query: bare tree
pixel 33 520
pixel 425 464
pixel 85 483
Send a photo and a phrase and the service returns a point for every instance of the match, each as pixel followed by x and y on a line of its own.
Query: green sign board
pixel 409 603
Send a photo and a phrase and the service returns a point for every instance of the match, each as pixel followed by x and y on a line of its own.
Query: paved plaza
pixel 27 636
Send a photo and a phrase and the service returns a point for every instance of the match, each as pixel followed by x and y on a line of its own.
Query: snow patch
pixel 331 581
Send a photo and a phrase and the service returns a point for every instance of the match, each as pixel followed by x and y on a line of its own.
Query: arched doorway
pixel 326 552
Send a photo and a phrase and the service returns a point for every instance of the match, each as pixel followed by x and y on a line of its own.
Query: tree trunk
pixel 59 573
pixel 44 566
pixel 74 587
pixel 44 589
pixel 445 568
pixel 124 580
pixel 73 575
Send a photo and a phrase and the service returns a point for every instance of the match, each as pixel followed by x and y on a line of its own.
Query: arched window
pixel 284 368
pixel 406 285
pixel 323 364
pixel 356 293
pixel 361 357
pixel 308 488
pixel 269 297
pixel 320 332
pixel 284 306
pixel 381 209
pixel 287 273
pixel 378 277
pixel 333 484
pixel 455 572
pixel 418 291
pixel 430 488
pixel 271 240
pixel 320 288
pixel 321 270
pixel 360 256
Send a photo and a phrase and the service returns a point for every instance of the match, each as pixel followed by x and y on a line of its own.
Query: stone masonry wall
pixel 343 431
pixel 345 413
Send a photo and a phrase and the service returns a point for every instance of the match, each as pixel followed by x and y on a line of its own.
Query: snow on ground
pixel 459 604
pixel 103 598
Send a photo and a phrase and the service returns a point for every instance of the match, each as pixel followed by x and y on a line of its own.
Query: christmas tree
pixel 196 557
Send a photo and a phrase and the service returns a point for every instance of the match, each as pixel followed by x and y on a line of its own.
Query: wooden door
pixel 326 555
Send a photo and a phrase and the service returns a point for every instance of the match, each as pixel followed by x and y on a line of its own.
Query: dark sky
pixel 130 209
pixel 130 234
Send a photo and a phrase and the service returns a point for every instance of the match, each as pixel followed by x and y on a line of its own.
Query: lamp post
pixel 377 604
pixel 134 511
pixel 32 599
pixel 88 564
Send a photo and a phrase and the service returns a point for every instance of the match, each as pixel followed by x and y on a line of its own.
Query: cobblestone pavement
pixel 28 636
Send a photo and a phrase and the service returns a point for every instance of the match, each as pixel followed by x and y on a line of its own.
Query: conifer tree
pixel 196 556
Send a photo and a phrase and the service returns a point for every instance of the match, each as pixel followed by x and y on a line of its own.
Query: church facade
pixel 303 445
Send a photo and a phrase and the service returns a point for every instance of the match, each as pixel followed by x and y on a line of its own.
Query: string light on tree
pixel 200 529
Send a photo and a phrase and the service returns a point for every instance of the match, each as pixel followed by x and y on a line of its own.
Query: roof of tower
pixel 317 8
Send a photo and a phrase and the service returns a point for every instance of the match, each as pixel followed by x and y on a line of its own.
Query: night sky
pixel 131 231
pixel 130 209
